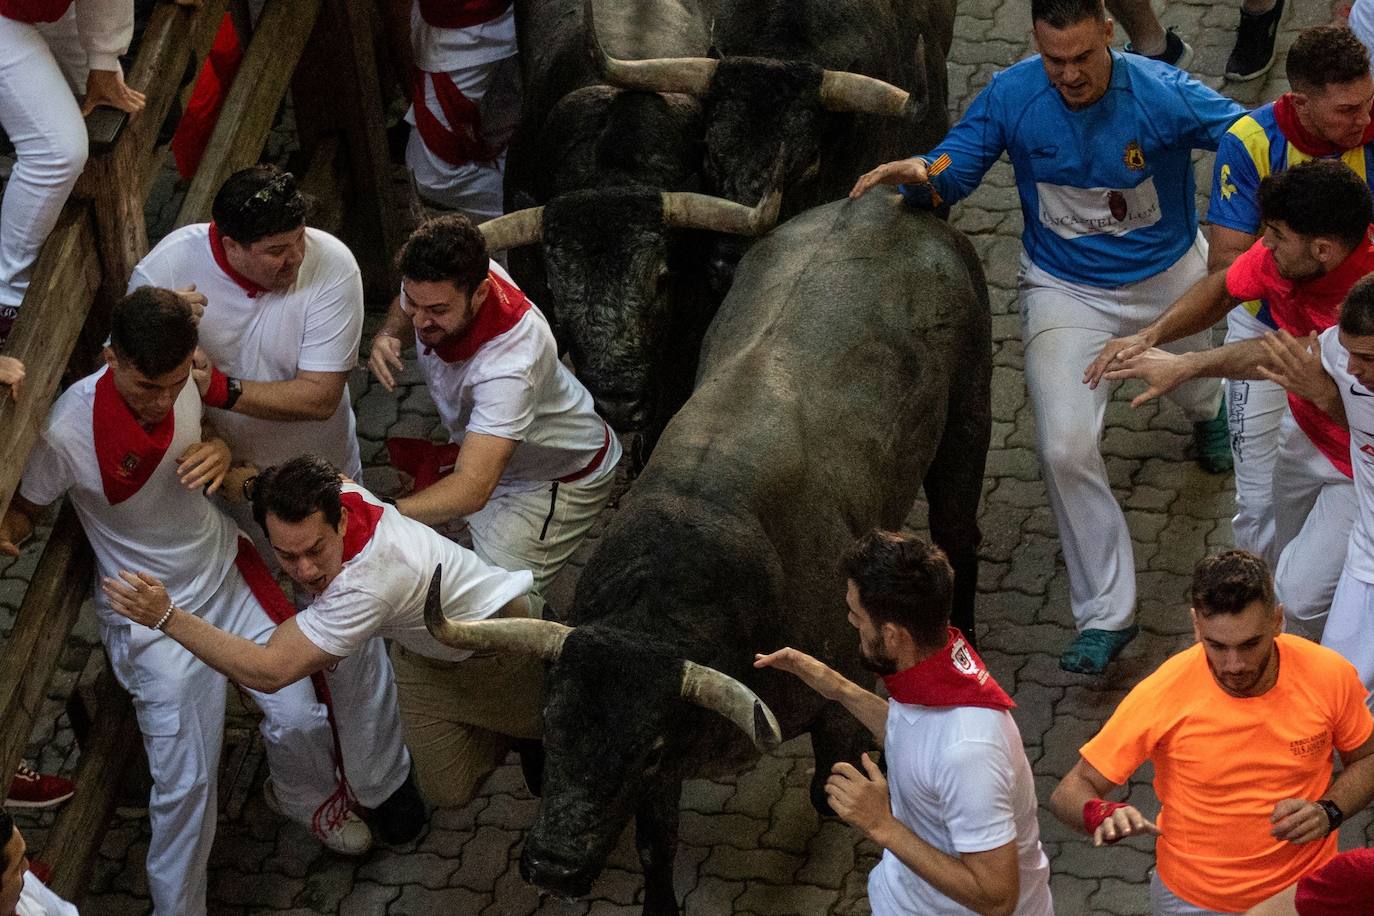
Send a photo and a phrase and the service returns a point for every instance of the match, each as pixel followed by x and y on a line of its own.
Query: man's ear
pixel 110 359
pixel 343 520
pixel 480 293
pixel 1193 616
pixel 1278 617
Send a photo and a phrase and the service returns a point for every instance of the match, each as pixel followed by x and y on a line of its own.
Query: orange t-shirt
pixel 1223 762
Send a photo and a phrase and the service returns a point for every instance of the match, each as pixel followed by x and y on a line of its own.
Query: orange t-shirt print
pixel 1223 762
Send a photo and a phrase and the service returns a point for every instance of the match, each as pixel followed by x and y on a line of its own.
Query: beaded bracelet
pixel 165 617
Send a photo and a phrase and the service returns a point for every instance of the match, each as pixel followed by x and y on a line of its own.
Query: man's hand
pixel 902 171
pixel 1121 823
pixel 195 300
pixel 1114 353
pixel 204 464
pixel 234 480
pixel 14 530
pixel 137 596
pixel 1296 365
pixel 1297 820
pixel 107 87
pixel 201 370
pixel 862 801
pixel 386 359
pixel 816 674
pixel 1161 370
pixel 12 374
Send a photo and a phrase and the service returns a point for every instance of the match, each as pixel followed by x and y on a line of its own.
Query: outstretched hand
pixel 1121 823
pixel 901 171
pixel 385 359
pixel 1115 352
pixel 1162 372
pixel 815 673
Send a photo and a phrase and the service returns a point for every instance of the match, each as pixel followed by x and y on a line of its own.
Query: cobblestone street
pixel 753 845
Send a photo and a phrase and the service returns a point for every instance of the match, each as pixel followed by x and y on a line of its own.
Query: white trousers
pixel 1314 509
pixel 1164 902
pixel 1068 427
pixel 41 69
pixel 1253 411
pixel 538 530
pixel 1350 626
pixel 179 702
pixel 475 189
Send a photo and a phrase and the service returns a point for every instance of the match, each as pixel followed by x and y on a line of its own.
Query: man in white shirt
pixel 535 463
pixel 960 831
pixel 126 446
pixel 21 893
pixel 371 570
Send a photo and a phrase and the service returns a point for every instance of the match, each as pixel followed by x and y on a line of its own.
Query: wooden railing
pixel 321 51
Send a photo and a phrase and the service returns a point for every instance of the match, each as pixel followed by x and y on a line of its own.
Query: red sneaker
pixel 31 789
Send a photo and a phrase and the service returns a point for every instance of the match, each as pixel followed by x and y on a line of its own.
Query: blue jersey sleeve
pixel 1197 116
pixel 972 145
pixel 1234 202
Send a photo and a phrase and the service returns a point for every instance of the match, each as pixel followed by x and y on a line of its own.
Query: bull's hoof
pixel 819 800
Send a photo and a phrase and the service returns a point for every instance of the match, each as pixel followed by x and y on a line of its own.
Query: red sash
pixel 217 249
pixel 362 523
pixel 460 142
pixel 461 14
pixel 505 306
pixel 126 453
pixel 1308 143
pixel 954 676
pixel 32 11
pixel 423 460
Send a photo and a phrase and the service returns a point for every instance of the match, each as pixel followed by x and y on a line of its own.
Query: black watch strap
pixel 235 391
pixel 1334 814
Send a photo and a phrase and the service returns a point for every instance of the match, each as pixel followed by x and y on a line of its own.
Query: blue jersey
pixel 1107 190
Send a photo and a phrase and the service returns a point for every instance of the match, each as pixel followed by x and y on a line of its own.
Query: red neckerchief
pixel 505 306
pixel 252 289
pixel 1286 114
pixel 954 676
pixel 1315 303
pixel 362 523
pixel 446 14
pixel 126 453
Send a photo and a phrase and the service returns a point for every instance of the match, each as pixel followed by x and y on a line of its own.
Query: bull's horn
pixel 690 75
pixel 844 91
pixel 523 227
pixel 507 635
pixel 720 693
pixel 686 210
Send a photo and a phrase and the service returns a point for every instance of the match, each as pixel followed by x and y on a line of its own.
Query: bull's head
pixel 624 296
pixel 614 708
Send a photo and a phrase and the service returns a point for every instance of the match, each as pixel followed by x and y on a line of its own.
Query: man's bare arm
pixel 1083 784
pixel 481 462
pixel 1203 305
pixel 864 705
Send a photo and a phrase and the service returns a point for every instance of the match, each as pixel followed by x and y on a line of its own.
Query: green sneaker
pixel 1092 650
pixel 1212 443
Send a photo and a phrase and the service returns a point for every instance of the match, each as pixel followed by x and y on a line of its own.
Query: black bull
pixel 849 366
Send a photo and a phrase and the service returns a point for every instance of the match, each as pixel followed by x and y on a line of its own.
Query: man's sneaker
pixel 350 836
pixel 1253 54
pixel 1093 650
pixel 31 789
pixel 1177 52
pixel 1212 443
pixel 402 816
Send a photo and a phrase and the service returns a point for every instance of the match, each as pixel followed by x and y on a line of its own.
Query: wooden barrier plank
pixel 258 89
pixel 324 184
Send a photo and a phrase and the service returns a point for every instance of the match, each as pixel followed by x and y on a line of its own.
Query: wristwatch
pixel 1334 814
pixel 235 390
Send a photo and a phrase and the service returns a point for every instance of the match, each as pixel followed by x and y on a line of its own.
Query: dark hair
pixel 1060 14
pixel 902 580
pixel 6 834
pixel 1229 582
pixel 448 248
pixel 1320 197
pixel 1357 312
pixel 297 489
pixel 1324 55
pixel 153 329
pixel 258 201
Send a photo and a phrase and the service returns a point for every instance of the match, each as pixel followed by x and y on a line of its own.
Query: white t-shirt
pixel 959 779
pixel 515 387
pixel 381 591
pixel 35 899
pixel 1359 412
pixel 440 50
pixel 164 529
pixel 315 326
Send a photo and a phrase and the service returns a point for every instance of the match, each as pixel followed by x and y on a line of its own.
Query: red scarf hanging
pixel 954 676
pixel 460 141
pixel 126 453
pixel 32 11
pixel 504 307
pixel 426 462
pixel 1286 114
pixel 461 14
pixel 362 523
pixel 253 290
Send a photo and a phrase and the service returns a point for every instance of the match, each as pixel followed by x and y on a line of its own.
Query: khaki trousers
pixel 460 718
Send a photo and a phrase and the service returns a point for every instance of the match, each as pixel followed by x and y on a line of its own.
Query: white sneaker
pixel 349 837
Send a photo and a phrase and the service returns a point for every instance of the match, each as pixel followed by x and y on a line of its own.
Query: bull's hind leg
pixel 656 823
pixel 835 736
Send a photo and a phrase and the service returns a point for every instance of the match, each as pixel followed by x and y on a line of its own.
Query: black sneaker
pixel 1253 54
pixel 401 817
pixel 1177 52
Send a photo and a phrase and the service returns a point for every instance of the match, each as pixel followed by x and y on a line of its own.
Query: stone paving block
pixel 717 829
pixel 830 856
pixel 327 885
pixel 481 859
pixel 1120 897
pixel 420 901
pixel 1131 859
pixel 712 896
pixel 796 900
pixel 794 822
pixel 368 899
pixel 1071 894
pixel 733 864
pixel 427 869
pixel 509 811
pixel 241 889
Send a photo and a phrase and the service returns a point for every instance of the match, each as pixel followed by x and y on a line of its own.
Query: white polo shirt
pixel 315 325
pixel 515 387
pixel 381 590
pixel 163 529
pixel 1359 413
pixel 959 779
